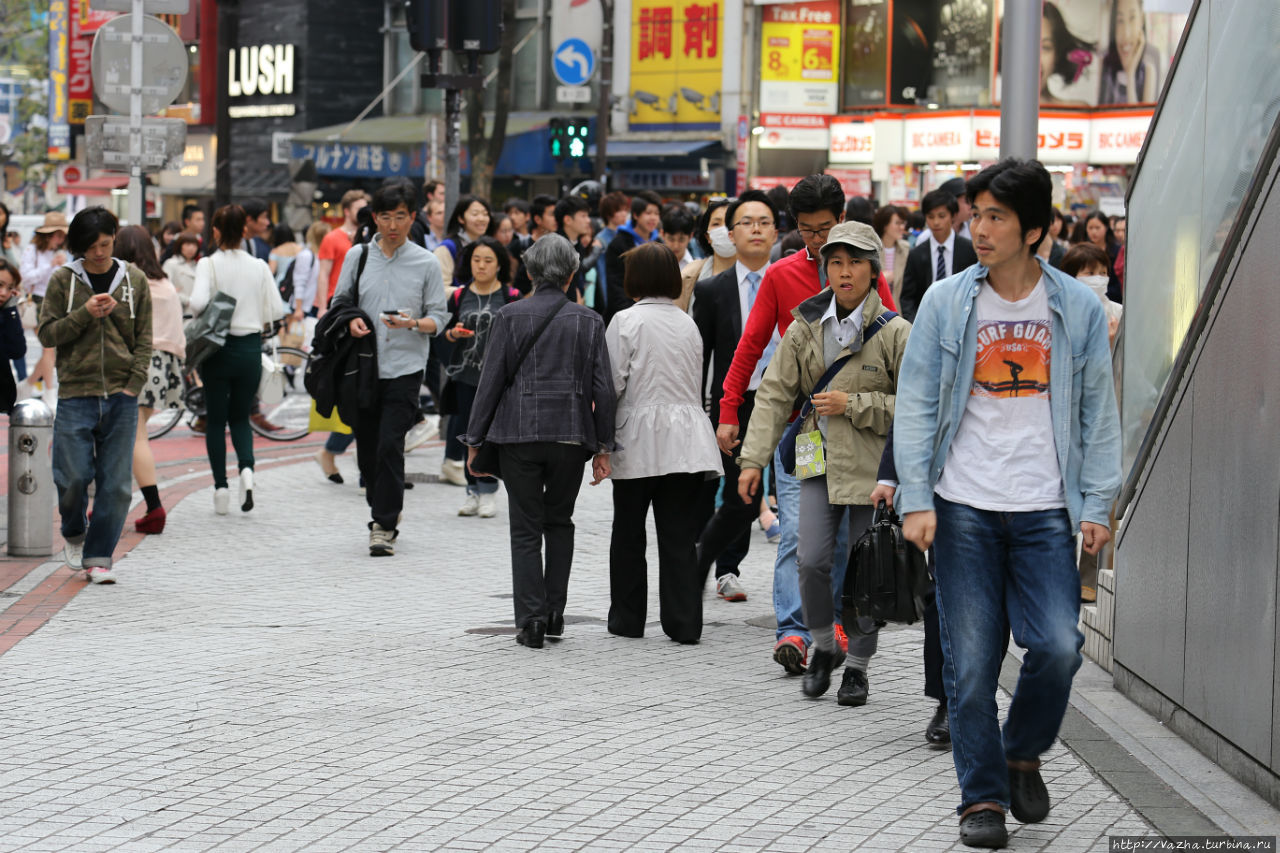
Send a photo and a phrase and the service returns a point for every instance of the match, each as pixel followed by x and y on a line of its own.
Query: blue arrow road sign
pixel 573 62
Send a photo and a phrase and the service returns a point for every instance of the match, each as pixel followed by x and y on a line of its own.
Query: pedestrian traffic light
pixel 558 140
pixel 579 132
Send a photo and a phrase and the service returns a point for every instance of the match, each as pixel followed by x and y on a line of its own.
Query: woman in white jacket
pixel 231 374
pixel 44 254
pixel 666 449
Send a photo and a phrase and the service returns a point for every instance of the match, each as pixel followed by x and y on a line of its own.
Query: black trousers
pixel 732 556
pixel 674 498
pixel 729 529
pixel 380 432
pixel 543 479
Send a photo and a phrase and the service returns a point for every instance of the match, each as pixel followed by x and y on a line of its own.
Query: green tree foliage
pixel 24 51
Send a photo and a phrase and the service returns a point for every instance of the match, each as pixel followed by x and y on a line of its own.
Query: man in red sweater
pixel 817 204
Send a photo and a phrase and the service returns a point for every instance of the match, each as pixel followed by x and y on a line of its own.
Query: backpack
pixel 286 282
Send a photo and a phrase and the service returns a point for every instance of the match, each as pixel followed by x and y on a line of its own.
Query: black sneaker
pixel 853 689
pixel 818 677
pixel 1028 797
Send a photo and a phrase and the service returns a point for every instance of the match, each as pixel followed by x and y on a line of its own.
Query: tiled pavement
pixel 257 682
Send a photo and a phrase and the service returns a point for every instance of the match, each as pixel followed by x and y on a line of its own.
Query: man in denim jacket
pixel 1007 443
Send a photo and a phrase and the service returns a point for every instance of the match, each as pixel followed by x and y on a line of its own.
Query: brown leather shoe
pixel 261 422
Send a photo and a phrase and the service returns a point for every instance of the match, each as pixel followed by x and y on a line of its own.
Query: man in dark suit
pixel 942 255
pixel 720 308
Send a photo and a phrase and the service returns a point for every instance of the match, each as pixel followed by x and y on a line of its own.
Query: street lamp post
pixel 1020 80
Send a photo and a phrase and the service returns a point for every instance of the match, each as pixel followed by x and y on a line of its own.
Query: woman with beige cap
pixel 43 255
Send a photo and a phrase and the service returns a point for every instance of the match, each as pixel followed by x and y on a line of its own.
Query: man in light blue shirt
pixel 399 286
pixel 1007 446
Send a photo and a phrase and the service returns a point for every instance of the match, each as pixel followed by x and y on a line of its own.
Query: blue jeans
pixel 93 442
pixel 786 579
pixel 338 442
pixel 992 566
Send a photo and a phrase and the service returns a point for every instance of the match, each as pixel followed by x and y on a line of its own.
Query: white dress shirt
pixel 846 330
pixel 949 254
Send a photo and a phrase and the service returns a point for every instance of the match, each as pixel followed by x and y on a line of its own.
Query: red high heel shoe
pixel 152 522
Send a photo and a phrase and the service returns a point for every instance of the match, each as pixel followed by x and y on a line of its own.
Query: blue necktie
pixel 753 287
pixel 942 264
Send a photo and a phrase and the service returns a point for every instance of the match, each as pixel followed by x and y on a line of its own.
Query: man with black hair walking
pixel 646 213
pixel 943 254
pixel 398 286
pixel 97 313
pixel 1000 469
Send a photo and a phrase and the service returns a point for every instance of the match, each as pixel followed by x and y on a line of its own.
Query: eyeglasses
pixel 398 217
pixel 750 224
pixel 815 232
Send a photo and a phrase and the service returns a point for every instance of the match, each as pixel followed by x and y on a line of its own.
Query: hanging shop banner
pixel 1061 139
pixel 676 62
pixel 59 145
pixel 937 138
pixel 800 58
pixel 795 132
pixel 84 23
pixel 852 141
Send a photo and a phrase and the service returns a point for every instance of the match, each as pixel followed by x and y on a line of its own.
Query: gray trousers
pixel 819 521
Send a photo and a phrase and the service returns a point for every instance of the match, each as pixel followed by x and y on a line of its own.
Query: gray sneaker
pixel 382 543
pixel 730 588
pixel 73 555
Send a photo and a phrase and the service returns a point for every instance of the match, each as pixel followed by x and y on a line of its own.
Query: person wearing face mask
pixel 646 211
pixel 1088 263
pixel 718 250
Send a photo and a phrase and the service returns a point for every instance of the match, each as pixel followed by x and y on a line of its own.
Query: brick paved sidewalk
pixel 257 682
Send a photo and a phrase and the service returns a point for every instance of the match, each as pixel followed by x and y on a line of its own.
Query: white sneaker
pixel 382 543
pixel 729 588
pixel 73 556
pixel 488 505
pixel 454 472
pixel 422 433
pixel 101 574
pixel 246 489
pixel 221 500
pixel 470 507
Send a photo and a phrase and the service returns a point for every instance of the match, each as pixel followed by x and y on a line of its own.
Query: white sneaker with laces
pixel 488 505
pixel 246 489
pixel 421 433
pixel 453 471
pixel 730 588
pixel 470 507
pixel 73 555
pixel 101 574
pixel 221 500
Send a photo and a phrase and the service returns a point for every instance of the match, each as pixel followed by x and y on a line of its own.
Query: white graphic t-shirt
pixel 1003 456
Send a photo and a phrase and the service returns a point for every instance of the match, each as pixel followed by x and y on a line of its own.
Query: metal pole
pixel 137 203
pixel 604 114
pixel 228 36
pixel 1020 80
pixel 452 146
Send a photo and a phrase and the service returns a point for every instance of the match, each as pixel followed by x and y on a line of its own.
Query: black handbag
pixel 888 577
pixel 486 459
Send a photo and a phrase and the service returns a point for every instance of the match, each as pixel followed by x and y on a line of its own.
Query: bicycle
pixel 292 414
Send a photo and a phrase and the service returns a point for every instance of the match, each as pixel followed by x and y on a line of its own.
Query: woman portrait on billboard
pixel 1062 54
pixel 1131 68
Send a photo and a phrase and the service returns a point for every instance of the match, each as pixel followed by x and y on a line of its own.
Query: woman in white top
pixel 180 268
pixel 231 374
pixel 667 449
pixel 44 254
pixel 891 223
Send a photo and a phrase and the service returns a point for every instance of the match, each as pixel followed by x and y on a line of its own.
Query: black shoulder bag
pixel 486 459
pixel 887 579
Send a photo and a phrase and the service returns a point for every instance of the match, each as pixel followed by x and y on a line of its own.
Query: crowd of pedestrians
pixel 787 360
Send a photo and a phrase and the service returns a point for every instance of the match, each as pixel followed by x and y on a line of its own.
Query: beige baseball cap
pixel 859 238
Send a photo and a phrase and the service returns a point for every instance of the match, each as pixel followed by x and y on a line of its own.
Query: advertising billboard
pixel 59 145
pixel 800 58
pixel 676 62
pixel 947 52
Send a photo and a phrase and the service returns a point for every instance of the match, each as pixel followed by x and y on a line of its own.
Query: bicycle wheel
pixel 292 415
pixel 162 422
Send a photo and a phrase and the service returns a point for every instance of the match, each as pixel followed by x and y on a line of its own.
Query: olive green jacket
pixel 97 357
pixel 854 442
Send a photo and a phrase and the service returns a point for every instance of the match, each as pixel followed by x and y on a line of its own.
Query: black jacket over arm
pixel 614 271
pixel 918 276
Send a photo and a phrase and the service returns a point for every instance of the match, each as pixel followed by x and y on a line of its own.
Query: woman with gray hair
pixel 546 401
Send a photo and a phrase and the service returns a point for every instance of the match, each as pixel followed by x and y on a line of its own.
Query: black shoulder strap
pixel 528 346
pixel 364 257
pixel 876 325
